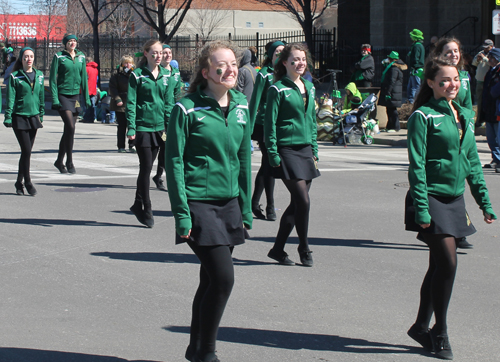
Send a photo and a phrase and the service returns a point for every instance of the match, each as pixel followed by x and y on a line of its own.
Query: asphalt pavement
pixel 82 281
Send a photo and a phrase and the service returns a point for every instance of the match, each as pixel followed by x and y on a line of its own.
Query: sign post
pixel 496 22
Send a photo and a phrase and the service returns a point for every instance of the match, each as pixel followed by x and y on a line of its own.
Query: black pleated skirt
pixel 448 217
pixel 25 123
pixel 297 163
pixel 70 103
pixel 215 223
pixel 148 139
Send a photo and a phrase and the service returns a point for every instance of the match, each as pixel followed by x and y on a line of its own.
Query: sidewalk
pixel 398 139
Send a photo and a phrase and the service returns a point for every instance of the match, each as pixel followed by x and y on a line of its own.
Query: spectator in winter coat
pixel 391 93
pixel 365 68
pixel 351 92
pixel 416 59
pixel 481 63
pixel 246 75
pixel 491 79
pixel 92 74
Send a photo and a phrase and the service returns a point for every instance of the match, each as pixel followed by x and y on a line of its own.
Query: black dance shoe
pixel 30 188
pixel 19 188
pixel 71 168
pixel 441 345
pixel 189 355
pixel 138 212
pixel 149 221
pixel 209 357
pixel 257 212
pixel 462 243
pixel 280 256
pixel 420 336
pixel 306 258
pixel 159 183
pixel 270 213
pixel 60 167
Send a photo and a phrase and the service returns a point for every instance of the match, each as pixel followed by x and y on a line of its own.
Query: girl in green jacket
pixel 209 180
pixel 264 179
pixel 443 155
pixel 24 112
pixel 146 112
pixel 290 135
pixel 451 47
pixel 68 78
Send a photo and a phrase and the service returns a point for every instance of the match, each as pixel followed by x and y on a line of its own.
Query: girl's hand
pixel 425 226
pixel 119 104
pixel 487 218
pixel 186 236
pixel 131 137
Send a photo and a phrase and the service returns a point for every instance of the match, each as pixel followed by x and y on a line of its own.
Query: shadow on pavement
pixel 155 212
pixel 83 185
pixel 38 355
pixel 296 341
pixel 357 243
pixel 54 222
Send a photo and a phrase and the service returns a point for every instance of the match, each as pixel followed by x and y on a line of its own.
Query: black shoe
pixel 71 168
pixel 306 258
pixel 189 355
pixel 462 243
pixel 257 211
pixel 149 221
pixel 422 337
pixel 441 345
pixel 138 212
pixel 60 167
pixel 280 257
pixel 19 188
pixel 31 189
pixel 270 213
pixel 209 357
pixel 159 183
pixel 492 164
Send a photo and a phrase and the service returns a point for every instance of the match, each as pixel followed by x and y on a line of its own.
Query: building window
pixel 249 24
pixel 261 25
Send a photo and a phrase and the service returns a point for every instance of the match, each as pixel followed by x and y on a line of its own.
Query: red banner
pixel 20 27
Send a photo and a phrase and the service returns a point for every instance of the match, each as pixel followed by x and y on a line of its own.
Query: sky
pixel 20 6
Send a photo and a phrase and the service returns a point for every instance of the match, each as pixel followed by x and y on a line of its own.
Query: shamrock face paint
pixel 441 84
pixel 219 71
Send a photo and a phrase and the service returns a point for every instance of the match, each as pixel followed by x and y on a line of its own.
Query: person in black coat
pixel 391 93
pixel 365 68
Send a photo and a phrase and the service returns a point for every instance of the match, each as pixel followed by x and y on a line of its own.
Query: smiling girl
pixel 290 136
pixel 443 155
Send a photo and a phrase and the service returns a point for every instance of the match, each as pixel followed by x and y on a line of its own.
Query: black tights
pixel 147 156
pixel 264 180
pixel 161 161
pixel 296 215
pixel 121 130
pixel 68 138
pixel 26 139
pixel 437 286
pixel 216 283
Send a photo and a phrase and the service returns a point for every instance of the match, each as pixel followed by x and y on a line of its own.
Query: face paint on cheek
pixel 292 63
pixel 219 71
pixel 441 84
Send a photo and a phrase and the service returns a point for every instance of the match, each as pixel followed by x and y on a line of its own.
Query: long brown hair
pixel 146 48
pixel 279 68
pixel 438 50
pixel 204 61
pixel 432 66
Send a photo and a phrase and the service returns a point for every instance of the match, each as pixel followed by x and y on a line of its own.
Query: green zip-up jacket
pixel 208 156
pixel 416 57
pixel 288 122
pixel 439 162
pixel 68 76
pixel 174 89
pixel 147 101
pixel 24 99
pixel 464 97
pixel 257 105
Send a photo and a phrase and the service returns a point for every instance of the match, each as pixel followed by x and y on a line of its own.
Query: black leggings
pixel 437 286
pixel 296 215
pixel 68 137
pixel 216 283
pixel 147 156
pixel 161 160
pixel 26 139
pixel 121 130
pixel 264 179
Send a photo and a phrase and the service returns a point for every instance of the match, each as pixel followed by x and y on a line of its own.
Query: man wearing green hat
pixel 391 93
pixel 416 59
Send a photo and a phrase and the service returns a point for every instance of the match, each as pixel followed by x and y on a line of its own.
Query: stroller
pixel 355 127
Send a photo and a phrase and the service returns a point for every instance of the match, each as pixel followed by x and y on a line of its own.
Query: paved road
pixel 82 281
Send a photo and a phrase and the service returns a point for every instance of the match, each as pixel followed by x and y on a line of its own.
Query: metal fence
pixel 185 49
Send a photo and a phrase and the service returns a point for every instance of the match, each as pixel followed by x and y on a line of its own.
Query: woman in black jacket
pixel 118 88
pixel 364 68
pixel 391 93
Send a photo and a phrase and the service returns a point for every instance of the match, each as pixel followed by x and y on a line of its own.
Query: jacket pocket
pixel 196 178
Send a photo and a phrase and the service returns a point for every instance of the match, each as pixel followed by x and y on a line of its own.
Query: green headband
pixel 68 37
pixel 23 50
pixel 166 46
pixel 272 48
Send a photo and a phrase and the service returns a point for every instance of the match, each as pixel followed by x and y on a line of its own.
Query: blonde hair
pixel 126 59
pixel 204 61
pixel 146 48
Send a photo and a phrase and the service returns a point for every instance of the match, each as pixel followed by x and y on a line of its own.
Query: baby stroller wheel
pixel 367 140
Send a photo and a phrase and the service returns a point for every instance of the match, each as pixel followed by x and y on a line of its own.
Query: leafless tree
pixel 51 14
pixel 164 16
pixel 305 12
pixel 78 23
pixel 119 24
pixel 207 18
pixel 6 10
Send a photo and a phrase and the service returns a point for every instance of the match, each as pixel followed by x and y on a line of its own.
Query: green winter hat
pixel 166 46
pixel 336 94
pixel 272 48
pixel 393 55
pixel 416 34
pixel 68 37
pixel 2 45
pixel 23 50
